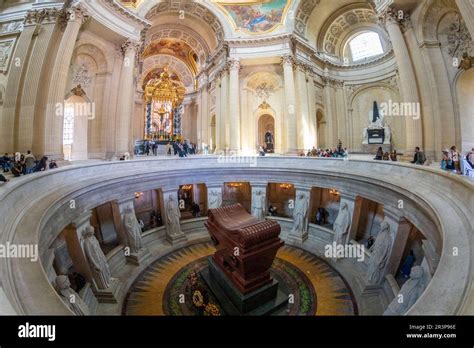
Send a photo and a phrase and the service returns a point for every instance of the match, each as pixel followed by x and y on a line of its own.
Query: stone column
pixel 174 235
pixel 224 110
pixel 466 7
pixel 53 127
pixel 300 235
pixel 234 105
pixel 409 89
pixel 203 133
pixel 46 31
pixel 123 141
pixel 303 135
pixel 290 101
pixel 18 67
pixel 331 111
pixel 259 187
pixel 218 141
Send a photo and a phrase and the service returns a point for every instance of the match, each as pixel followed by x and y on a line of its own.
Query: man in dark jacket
pixel 419 157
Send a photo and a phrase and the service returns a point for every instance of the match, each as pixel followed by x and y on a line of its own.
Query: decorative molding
pixel 303 13
pixel 126 13
pixel 234 64
pixel 11 27
pixel 330 82
pixel 459 39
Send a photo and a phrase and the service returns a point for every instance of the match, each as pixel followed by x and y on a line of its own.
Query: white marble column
pixel 234 105
pixel 224 110
pixel 466 7
pixel 303 131
pixel 123 141
pixel 218 139
pixel 53 127
pixel 409 89
pixel 30 99
pixel 331 111
pixel 290 101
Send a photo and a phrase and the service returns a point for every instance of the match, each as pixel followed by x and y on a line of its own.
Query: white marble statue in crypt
pixel 300 219
pixel 258 205
pixel 172 216
pixel 342 224
pixel 380 252
pixel 215 199
pixel 133 230
pixel 96 258
pixel 409 293
pixel 70 297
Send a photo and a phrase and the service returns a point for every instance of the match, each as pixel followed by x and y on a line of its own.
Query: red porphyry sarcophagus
pixel 246 247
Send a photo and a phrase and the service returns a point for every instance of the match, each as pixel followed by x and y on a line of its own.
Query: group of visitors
pixel 23 164
pixel 385 156
pixel 328 153
pixel 451 160
pixel 181 148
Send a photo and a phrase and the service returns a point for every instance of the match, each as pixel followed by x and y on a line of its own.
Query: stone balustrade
pixel 36 208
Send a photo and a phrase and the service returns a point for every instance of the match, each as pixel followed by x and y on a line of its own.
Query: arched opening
pixel 266 132
pixel 465 91
pixel 321 130
pixel 75 128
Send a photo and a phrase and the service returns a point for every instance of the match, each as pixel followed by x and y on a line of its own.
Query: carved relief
pixel 6 51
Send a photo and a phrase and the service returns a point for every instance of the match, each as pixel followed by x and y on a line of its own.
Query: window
pixel 365 45
pixel 68 129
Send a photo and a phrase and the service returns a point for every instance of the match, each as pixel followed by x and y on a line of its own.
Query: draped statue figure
pixel 342 224
pixel 215 199
pixel 133 231
pixel 96 259
pixel 409 293
pixel 380 253
pixel 300 221
pixel 258 205
pixel 70 297
pixel 172 216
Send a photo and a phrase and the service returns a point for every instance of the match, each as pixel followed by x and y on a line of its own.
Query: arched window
pixel 68 129
pixel 365 45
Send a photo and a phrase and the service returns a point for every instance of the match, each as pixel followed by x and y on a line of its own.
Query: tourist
pixel 147 148
pixel 446 162
pixel 154 148
pixel 393 155
pixel 379 154
pixel 6 163
pixel 3 179
pixel 261 151
pixel 41 165
pixel 419 157
pixel 407 265
pixel 16 170
pixel 470 158
pixel 53 164
pixel 454 155
pixel 30 162
pixel 195 209
pixel 386 156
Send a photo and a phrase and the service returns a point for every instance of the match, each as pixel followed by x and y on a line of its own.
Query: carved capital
pixel 129 46
pixel 395 16
pixel 233 63
pixel 330 82
pixel 288 60
pixel 77 14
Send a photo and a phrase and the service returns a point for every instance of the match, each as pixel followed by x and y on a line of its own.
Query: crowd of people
pixel 385 156
pixel 23 164
pixel 181 148
pixel 452 159
pixel 337 152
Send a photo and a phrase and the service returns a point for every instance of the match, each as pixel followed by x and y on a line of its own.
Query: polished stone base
pixel 138 258
pixel 108 295
pixel 176 238
pixel 263 301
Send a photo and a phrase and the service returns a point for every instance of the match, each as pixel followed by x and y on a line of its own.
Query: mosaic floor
pixel 164 287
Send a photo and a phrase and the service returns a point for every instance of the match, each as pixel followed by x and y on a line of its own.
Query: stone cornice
pixel 260 40
pixel 127 13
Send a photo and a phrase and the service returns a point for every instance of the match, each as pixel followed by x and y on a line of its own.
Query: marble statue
pixel 380 253
pixel 376 121
pixel 387 134
pixel 133 230
pixel 300 221
pixel 342 224
pixel 70 297
pixel 96 258
pixel 215 199
pixel 172 216
pixel 258 205
pixel 408 294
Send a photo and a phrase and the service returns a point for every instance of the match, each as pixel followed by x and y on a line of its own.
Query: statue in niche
pixel 342 224
pixel 172 216
pixel 258 205
pixel 409 293
pixel 215 199
pixel 380 252
pixel 300 220
pixel 268 138
pixel 133 230
pixel 96 258
pixel 70 297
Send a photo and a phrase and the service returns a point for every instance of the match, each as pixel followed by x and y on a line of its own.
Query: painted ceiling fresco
pixel 175 48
